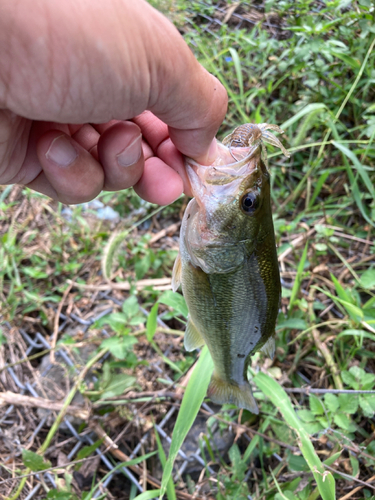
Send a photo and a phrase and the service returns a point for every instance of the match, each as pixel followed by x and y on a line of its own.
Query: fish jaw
pixel 214 227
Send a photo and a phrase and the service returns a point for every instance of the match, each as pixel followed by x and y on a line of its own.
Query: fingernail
pixel 61 151
pixel 131 153
pixel 212 152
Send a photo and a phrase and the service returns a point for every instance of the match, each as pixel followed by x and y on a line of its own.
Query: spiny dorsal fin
pixel 222 392
pixel 269 348
pixel 192 338
pixel 176 273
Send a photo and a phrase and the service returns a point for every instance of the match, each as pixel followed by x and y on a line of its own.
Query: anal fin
pixel 192 338
pixel 176 273
pixel 269 348
pixel 221 392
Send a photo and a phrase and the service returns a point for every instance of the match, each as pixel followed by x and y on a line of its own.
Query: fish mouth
pixel 251 152
pixel 223 177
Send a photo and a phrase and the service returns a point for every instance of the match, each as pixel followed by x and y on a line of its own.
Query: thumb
pixel 184 95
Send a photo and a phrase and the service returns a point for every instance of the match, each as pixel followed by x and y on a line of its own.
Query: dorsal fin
pixel 192 338
pixel 176 273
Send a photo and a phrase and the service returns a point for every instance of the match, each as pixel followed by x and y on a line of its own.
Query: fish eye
pixel 249 202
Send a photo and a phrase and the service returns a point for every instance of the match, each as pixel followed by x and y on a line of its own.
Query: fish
pixel 227 263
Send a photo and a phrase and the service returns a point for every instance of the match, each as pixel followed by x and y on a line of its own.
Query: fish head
pixel 232 202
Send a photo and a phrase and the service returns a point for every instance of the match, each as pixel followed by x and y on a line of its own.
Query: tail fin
pixel 222 392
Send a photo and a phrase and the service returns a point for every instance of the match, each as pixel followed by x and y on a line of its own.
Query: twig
pixel 56 468
pixel 297 241
pixel 23 360
pixel 168 230
pixel 351 493
pixel 56 322
pixel 124 286
pixel 13 398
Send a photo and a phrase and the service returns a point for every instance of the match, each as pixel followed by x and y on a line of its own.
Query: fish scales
pixel 228 268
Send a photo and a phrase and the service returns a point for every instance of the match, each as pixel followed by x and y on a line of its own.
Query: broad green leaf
pixel 297 463
pixel 368 279
pixel 323 478
pixel 34 461
pixel 130 307
pixel 194 395
pixel 118 383
pixel 313 428
pixel 316 405
pixel 119 346
pixel 152 322
pixel 175 300
pixel 367 408
pixel 343 421
pixel 350 380
pixel 306 415
pixel 292 324
pixel 239 465
pixel 87 450
pixel 331 402
pixel 142 266
pixel 348 403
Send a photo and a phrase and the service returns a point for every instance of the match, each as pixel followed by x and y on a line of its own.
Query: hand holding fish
pixel 227 263
pixel 101 95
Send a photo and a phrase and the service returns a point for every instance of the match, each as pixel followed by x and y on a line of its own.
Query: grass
pixel 308 67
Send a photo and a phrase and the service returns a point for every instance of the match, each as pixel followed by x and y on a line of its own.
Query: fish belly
pixel 235 314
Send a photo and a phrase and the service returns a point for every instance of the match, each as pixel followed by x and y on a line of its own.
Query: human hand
pixel 74 73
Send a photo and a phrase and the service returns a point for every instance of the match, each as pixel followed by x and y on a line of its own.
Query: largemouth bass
pixel 227 263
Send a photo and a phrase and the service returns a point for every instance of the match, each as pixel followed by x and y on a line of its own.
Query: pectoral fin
pixel 269 348
pixel 192 338
pixel 176 273
pixel 222 392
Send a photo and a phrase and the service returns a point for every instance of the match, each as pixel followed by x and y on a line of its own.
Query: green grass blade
pixel 323 478
pixel 148 495
pixel 362 172
pixel 192 400
pixel 352 179
pixel 318 187
pixel 171 493
pixel 315 106
pixel 237 67
pixel 298 280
